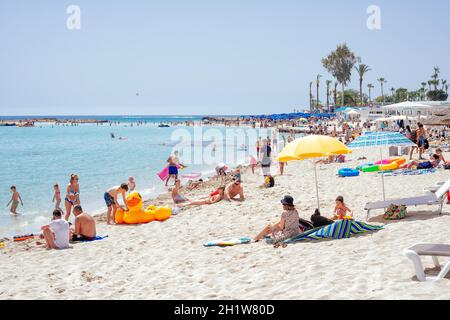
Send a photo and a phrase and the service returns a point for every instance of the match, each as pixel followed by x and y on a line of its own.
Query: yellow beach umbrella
pixel 311 147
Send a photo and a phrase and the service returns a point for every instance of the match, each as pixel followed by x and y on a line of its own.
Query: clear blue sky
pixel 204 56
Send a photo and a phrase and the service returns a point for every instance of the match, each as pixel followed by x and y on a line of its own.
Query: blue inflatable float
pixel 348 172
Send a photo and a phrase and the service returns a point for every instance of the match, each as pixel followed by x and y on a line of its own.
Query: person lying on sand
pixel 56 234
pixel 84 226
pixel 433 163
pixel 340 210
pixel 213 198
pixel 234 189
pixel 286 228
pixel 176 196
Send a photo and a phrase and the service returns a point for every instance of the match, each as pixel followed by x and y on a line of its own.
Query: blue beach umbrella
pixel 381 140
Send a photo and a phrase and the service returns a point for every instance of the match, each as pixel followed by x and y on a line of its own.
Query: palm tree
pixel 328 83
pixel 317 89
pixel 340 64
pixel 382 81
pixel 362 69
pixel 393 94
pixel 446 88
pixel 423 84
pixel 370 86
pixel 435 78
pixel 444 83
pixel 430 82
pixel 310 96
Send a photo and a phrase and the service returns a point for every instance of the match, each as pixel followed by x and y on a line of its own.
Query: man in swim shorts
pixel 84 226
pixel 110 197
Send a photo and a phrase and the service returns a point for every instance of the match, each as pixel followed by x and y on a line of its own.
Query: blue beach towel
pixel 97 238
pixel 342 229
pixel 408 172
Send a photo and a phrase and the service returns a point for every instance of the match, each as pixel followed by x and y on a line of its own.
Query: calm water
pixel 34 159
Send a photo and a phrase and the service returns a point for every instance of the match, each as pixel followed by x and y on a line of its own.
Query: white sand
pixel 167 260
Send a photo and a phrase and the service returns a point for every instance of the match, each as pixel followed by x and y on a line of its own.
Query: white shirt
pixel 60 228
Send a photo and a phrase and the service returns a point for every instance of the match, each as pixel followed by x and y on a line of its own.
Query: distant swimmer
pixel 112 135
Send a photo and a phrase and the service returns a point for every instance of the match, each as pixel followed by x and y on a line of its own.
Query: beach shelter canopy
pixel 311 147
pixel 381 140
pixel 407 105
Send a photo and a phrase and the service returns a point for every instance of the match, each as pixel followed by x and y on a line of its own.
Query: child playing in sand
pixel 14 200
pixel 110 197
pixel 56 196
pixel 340 210
pixel 131 184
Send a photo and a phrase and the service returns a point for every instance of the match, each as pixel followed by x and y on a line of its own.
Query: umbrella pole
pixel 382 174
pixel 317 186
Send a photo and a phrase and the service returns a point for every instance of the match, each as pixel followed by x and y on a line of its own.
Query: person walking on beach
pixel 421 137
pixel 110 197
pixel 173 169
pixel 14 200
pixel 72 195
pixel 56 196
pixel 265 158
pixel 85 229
pixel 131 184
pixel 56 234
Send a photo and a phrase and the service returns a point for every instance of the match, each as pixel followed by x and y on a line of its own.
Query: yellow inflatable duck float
pixel 136 214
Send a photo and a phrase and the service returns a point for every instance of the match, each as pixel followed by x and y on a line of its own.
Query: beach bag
pixel 394 212
pixel 319 221
pixel 426 144
pixel 447 166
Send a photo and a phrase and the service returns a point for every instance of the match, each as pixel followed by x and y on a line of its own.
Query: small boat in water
pixel 163 125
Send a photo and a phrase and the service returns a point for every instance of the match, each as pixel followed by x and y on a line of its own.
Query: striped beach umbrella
pixel 381 140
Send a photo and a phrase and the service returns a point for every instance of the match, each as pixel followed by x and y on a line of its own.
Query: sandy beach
pixel 168 261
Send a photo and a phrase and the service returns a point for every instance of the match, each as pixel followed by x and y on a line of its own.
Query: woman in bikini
pixel 210 200
pixel 72 195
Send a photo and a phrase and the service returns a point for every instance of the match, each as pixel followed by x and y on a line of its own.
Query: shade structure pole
pixel 317 186
pixel 382 174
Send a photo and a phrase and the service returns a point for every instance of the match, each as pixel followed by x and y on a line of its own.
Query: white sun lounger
pixel 436 198
pixel 432 250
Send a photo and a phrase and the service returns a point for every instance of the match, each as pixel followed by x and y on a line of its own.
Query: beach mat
pixel 342 229
pixel 227 242
pixel 409 172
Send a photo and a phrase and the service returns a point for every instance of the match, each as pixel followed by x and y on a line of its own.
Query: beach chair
pixel 431 250
pixel 436 198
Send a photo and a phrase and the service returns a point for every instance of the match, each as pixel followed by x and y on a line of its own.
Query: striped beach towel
pixel 409 172
pixel 342 229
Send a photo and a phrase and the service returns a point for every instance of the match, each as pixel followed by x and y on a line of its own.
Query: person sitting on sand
pixel 340 210
pixel 286 228
pixel 441 156
pixel 14 200
pixel 176 196
pixel 84 226
pixel 56 234
pixel 433 163
pixel 213 198
pixel 234 189
pixel 110 197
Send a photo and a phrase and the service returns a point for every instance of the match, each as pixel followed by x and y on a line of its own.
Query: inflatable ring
pixel 385 161
pixel 348 172
pixel 360 167
pixel 373 168
pixel 400 161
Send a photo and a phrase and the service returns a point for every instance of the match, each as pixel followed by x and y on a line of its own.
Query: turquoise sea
pixel 36 158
